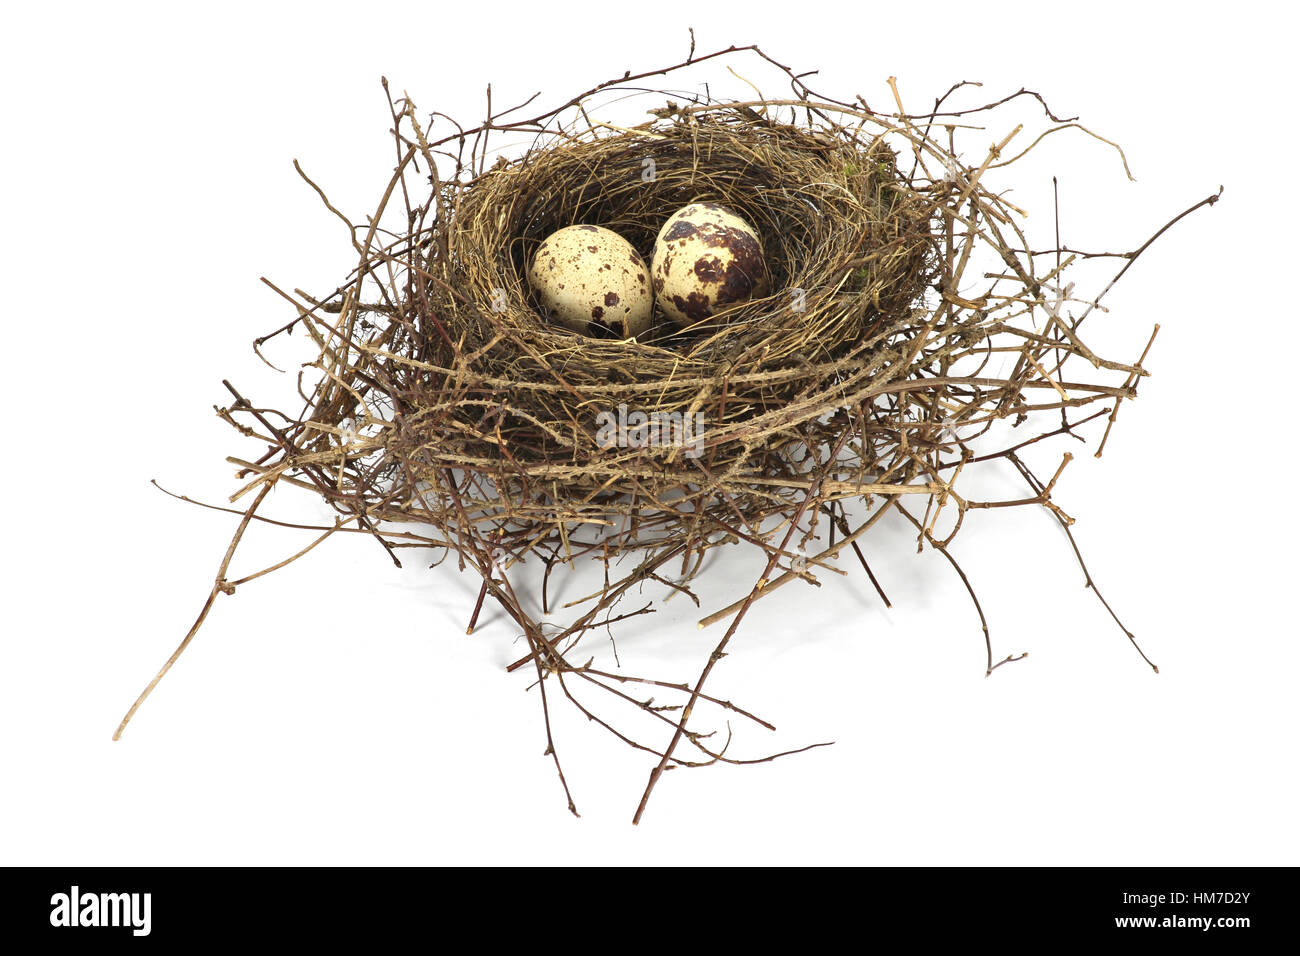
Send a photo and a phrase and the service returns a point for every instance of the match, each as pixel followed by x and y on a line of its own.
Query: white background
pixel 337 713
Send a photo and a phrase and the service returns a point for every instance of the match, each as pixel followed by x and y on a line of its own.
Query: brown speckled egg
pixel 590 279
pixel 706 260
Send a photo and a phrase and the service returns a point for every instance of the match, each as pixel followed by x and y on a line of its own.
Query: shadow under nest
pixel 443 411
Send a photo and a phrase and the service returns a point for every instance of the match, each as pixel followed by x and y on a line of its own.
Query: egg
pixel 590 279
pixel 706 260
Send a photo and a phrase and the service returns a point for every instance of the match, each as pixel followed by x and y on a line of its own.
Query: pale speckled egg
pixel 590 279
pixel 706 260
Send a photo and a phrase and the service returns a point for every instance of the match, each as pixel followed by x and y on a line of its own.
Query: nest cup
pixel 848 248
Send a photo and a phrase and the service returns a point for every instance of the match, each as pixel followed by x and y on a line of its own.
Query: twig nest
pixel 864 351
pixel 846 251
pixel 706 260
pixel 590 279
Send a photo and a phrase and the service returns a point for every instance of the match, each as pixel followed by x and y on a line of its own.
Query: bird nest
pixel 906 317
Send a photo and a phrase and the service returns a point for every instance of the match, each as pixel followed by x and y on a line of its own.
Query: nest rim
pixel 790 182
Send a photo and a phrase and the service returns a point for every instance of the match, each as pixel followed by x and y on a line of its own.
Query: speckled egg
pixel 590 279
pixel 706 260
